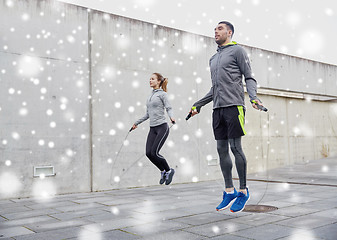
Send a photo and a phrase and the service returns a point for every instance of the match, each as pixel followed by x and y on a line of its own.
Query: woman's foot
pixel 169 176
pixel 163 177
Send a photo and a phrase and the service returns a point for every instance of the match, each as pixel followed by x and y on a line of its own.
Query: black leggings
pixel 155 140
pixel 226 162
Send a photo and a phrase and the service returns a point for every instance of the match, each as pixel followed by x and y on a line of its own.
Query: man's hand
pixel 256 103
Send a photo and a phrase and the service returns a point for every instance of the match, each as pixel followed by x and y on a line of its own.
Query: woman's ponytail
pixel 164 84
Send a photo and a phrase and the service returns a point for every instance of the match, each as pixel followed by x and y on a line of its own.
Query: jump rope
pixel 260 107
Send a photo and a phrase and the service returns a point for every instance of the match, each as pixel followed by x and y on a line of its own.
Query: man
pixel 227 67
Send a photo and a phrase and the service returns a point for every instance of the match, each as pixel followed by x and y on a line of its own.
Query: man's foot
pixel 228 199
pixel 169 176
pixel 162 177
pixel 240 202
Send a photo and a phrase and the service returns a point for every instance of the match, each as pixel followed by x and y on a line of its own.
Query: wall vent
pixel 45 171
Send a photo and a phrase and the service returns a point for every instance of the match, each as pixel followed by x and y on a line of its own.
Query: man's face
pixel 222 34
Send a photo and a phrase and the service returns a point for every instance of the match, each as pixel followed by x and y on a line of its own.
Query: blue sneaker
pixel 240 202
pixel 228 199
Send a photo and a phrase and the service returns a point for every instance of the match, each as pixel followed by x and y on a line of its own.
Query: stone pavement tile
pixel 278 204
pixel 14 231
pixel 293 211
pixel 115 234
pixel 52 204
pixel 265 232
pixel 55 224
pixel 308 221
pixel 93 199
pixel 120 201
pixel 229 236
pixel 113 224
pixel 31 213
pixel 78 207
pixel 302 234
pixel 175 235
pixel 155 227
pixel 64 233
pixel 104 216
pixel 328 232
pixel 13 209
pixel 257 219
pixel 330 213
pixel 321 205
pixel 217 228
pixel 77 214
pixel 24 221
pixel 204 218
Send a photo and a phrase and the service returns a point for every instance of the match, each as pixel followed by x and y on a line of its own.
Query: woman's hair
pixel 163 81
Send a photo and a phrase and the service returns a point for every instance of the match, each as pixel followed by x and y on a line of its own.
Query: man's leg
pixel 240 162
pixel 241 166
pixel 226 165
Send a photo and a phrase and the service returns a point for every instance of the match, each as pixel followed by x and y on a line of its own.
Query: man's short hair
pixel 231 27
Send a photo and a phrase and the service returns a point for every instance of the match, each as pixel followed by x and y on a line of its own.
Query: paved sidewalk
pixel 306 211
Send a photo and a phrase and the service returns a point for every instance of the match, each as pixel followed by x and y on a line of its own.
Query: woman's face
pixel 154 83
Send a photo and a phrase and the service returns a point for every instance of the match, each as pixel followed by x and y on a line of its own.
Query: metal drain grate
pixel 259 208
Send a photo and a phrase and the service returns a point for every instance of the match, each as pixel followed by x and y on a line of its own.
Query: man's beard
pixel 221 41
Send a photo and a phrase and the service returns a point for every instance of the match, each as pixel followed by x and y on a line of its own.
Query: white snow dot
pixel 51 144
pixel 329 12
pixel 215 229
pixel 120 125
pixel 41 142
pixel 49 112
pixel 194 179
pixel 117 179
pixel 8 163
pixel 126 142
pixel 23 111
pixel 199 133
pixel 109 160
pixel 112 132
pixel 186 138
pixel 70 152
pixel 11 91
pixel 25 17
pixel 115 210
pixel 135 84
pixel 43 90
pixel 63 106
pixel 83 136
pixel 325 168
pixel 4 142
pixel 131 109
pixel 320 80
pixel 52 124
pixel 15 136
pixel 178 80
pixel 198 80
pixel 182 160
pixel 117 105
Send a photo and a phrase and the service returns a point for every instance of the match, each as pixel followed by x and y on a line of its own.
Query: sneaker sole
pixel 224 208
pixel 242 208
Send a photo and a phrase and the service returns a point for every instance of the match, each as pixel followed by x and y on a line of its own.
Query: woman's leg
pixel 162 132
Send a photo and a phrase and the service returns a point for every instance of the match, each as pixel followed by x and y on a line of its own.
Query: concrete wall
pixel 96 91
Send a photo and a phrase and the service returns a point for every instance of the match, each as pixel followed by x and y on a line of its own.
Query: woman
pixel 159 129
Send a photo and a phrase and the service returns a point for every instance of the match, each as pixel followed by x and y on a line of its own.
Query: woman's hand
pixel 133 127
pixel 173 121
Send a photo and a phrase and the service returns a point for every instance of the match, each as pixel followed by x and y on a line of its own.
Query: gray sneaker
pixel 169 176
pixel 163 177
